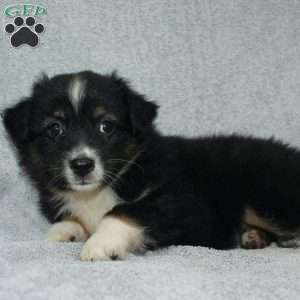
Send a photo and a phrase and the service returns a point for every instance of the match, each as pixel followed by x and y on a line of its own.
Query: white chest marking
pixel 89 207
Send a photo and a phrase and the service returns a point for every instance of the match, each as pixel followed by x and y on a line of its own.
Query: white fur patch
pixel 66 231
pixel 114 238
pixel 76 92
pixel 89 206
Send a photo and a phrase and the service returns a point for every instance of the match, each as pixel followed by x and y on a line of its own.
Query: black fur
pixel 198 189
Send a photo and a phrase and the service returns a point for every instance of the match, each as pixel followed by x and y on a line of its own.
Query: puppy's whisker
pixel 55 169
pixel 108 180
pixel 113 178
pixel 113 175
pixel 130 162
pixel 106 176
pixel 54 180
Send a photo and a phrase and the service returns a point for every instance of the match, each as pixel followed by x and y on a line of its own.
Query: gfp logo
pixel 24 10
pixel 23 29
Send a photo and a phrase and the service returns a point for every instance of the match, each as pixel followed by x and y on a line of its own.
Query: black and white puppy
pixel 107 177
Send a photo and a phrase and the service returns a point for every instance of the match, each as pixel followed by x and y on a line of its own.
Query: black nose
pixel 82 166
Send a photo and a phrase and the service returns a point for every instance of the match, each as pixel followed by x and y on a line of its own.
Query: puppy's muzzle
pixel 82 166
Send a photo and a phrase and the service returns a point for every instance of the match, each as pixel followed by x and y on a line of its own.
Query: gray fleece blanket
pixel 214 67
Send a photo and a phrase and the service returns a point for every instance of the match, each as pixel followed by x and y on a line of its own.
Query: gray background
pixel 213 66
pixel 217 66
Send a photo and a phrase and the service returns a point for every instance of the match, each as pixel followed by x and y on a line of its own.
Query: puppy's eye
pixel 106 127
pixel 55 130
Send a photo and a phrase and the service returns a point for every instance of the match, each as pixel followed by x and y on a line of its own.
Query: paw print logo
pixel 24 33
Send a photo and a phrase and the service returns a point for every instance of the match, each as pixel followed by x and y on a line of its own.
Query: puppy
pixel 106 176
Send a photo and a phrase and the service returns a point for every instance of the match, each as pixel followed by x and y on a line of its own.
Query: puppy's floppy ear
pixel 16 118
pixel 141 111
pixel 16 121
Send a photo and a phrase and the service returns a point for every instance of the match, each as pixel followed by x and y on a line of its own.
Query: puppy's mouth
pixel 84 182
pixel 85 185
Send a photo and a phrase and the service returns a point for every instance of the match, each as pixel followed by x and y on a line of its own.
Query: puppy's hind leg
pixel 252 237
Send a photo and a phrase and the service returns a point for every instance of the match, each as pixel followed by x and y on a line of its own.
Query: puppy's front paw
pixel 97 248
pixel 66 231
pixel 114 239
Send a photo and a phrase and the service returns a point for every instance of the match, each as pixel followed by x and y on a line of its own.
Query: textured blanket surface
pixel 213 66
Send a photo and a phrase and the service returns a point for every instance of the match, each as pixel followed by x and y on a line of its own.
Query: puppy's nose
pixel 82 166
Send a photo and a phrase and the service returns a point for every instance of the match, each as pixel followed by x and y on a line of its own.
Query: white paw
pixel 66 231
pixel 97 248
pixel 114 239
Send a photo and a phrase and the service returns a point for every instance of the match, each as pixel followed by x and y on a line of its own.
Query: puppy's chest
pixel 89 208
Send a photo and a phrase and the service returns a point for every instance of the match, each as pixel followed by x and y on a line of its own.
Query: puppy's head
pixel 79 131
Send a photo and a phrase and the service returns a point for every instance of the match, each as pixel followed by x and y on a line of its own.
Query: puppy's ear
pixel 16 121
pixel 141 111
pixel 40 86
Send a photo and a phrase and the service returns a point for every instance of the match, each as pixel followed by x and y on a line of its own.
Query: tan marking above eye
pixel 59 114
pixel 101 112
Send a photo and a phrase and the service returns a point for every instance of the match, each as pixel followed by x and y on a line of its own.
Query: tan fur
pixel 124 219
pixel 99 111
pixel 252 218
pixel 59 114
